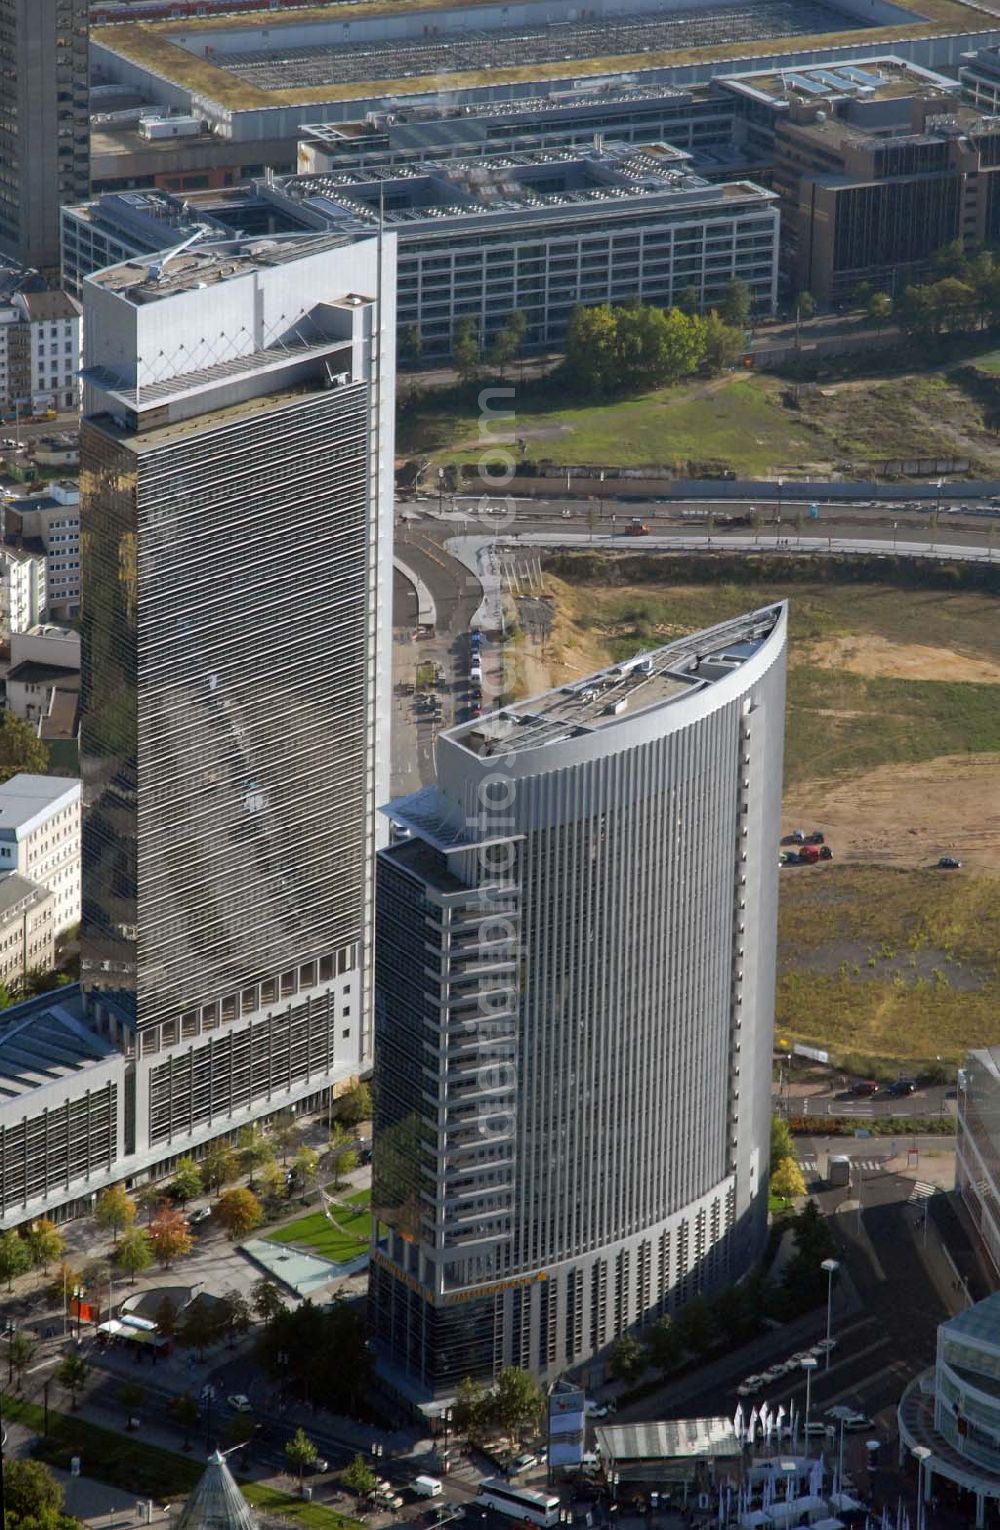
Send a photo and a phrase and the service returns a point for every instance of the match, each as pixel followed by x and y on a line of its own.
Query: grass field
pixel 755 425
pixel 890 964
pixel 318 1234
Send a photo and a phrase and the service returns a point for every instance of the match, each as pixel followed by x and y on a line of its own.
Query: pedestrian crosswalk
pixel 809 1165
pixel 921 1191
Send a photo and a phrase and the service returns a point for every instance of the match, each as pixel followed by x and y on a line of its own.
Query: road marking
pixel 921 1191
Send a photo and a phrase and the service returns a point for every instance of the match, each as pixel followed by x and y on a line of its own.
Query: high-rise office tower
pixel 44 123
pixel 574 1009
pixel 236 522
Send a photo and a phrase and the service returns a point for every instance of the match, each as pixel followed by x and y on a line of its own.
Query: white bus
pixel 519 1503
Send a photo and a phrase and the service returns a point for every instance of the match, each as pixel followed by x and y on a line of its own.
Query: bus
pixel 519 1503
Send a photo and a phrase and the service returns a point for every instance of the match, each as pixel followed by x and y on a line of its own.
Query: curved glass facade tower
pixel 574 1010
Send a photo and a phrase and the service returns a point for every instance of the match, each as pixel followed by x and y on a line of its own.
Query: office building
pixel 878 166
pixel 979 79
pixel 62 1109
pixel 40 839
pixel 698 120
pixel 23 597
pixel 576 959
pixel 27 929
pixel 951 1414
pixel 44 124
pixel 39 351
pixel 49 519
pixel 536 232
pixel 236 480
pixel 249 84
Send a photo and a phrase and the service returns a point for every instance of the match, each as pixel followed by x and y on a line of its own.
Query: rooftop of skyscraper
pixel 164 274
pixel 647 680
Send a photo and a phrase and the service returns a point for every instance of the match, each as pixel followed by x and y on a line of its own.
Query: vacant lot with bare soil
pixel 893 750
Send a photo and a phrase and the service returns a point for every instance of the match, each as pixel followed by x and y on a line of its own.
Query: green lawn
pixel 121 1460
pixel 318 1234
pixel 757 424
pixel 735 420
pixel 314 1516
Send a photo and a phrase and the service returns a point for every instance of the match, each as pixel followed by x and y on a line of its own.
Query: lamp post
pixel 922 1454
pixel 831 1266
pixel 809 1364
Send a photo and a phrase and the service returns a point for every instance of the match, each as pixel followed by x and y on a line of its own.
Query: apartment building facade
pixel 40 839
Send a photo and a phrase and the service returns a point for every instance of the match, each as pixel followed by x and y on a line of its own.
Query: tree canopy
pixel 322 1355
pixel 20 748
pixel 611 350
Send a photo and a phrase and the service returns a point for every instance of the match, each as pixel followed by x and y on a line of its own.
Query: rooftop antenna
pixel 154 271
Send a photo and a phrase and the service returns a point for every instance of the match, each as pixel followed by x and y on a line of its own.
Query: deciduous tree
pixel 517 1400
pixel 187 1181
pixel 115 1209
pixel 255 1150
pixel 287 1133
pixel 781 1141
pixel 627 1359
pixel 300 1452
pixel 200 1325
pixel 135 1251
pixel 787 1181
pixel 45 1243
pixel 267 1299
pixel 15 1256
pixel 240 1212
pixel 30 1490
pixel 355 1105
pixel 220 1165
pixel 358 1478
pixel 737 301
pixel 20 748
pixel 170 1236
pixel 72 1374
pixel 466 349
pixel 666 1348
pixel 234 1314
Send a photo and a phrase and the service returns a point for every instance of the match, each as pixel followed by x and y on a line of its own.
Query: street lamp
pixel 831 1266
pixel 922 1454
pixel 809 1364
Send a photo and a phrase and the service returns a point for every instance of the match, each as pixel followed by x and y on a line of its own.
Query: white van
pixel 427 1487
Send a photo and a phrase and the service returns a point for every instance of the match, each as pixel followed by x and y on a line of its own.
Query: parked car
pixel 239 1402
pixel 902 1086
pixel 817 837
pixel 595 1409
pixel 825 853
pixel 866 1087
pixel 949 863
pixel 203 1214
pixel 523 1464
